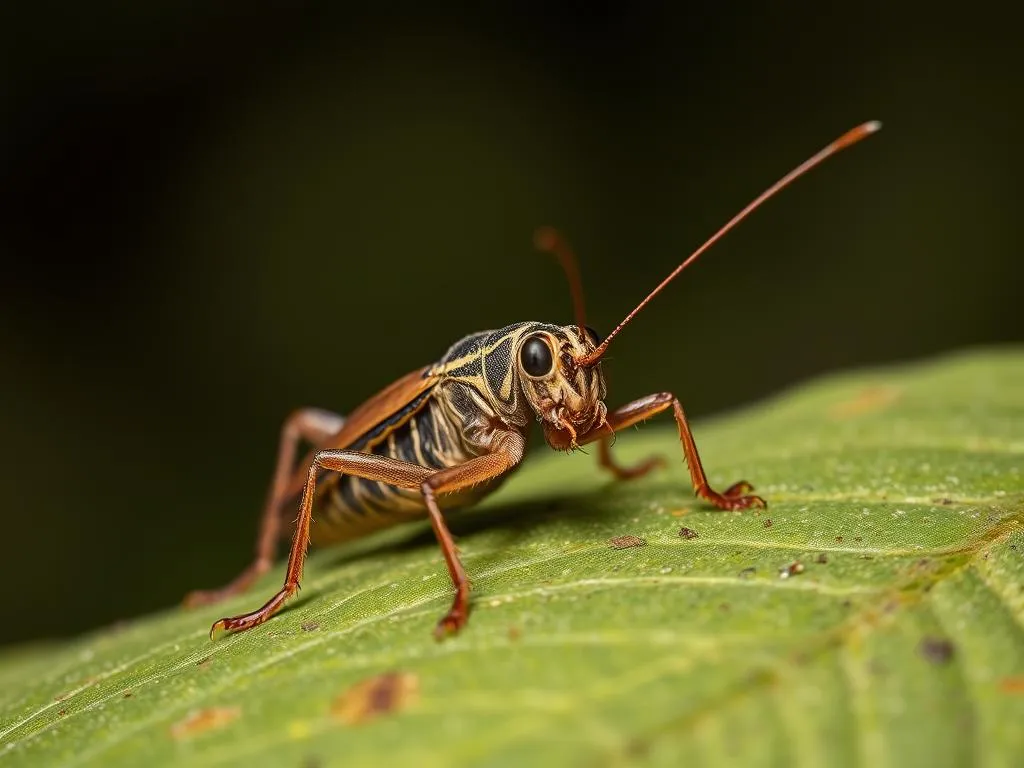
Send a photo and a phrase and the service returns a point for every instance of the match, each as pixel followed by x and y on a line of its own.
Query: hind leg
pixel 312 425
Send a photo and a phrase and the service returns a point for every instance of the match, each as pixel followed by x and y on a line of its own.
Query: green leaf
pixel 900 643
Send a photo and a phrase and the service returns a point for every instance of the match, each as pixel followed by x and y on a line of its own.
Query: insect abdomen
pixel 350 506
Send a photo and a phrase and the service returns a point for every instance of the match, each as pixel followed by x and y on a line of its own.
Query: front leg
pixel 736 496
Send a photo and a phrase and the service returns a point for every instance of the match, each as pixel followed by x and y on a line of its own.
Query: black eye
pixel 595 337
pixel 535 357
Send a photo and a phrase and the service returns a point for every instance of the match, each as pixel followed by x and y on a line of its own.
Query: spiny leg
pixel 736 496
pixel 508 451
pixel 312 425
pixel 369 466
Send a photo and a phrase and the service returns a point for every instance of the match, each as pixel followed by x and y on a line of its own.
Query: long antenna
pixel 548 239
pixel 844 141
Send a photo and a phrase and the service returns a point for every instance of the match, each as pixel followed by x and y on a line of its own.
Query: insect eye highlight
pixel 535 357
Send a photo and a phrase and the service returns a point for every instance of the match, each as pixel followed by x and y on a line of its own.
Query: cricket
pixel 448 434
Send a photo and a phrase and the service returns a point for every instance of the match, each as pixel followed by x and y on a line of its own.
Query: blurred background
pixel 216 213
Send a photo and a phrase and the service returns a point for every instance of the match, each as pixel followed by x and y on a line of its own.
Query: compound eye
pixel 535 357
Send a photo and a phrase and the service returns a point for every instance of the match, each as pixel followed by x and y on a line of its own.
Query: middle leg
pixel 606 461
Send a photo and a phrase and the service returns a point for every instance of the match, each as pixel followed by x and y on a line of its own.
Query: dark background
pixel 214 213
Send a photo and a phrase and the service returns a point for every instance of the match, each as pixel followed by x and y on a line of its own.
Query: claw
pixel 257 617
pixel 741 488
pixel 219 624
pixel 735 497
pixel 452 622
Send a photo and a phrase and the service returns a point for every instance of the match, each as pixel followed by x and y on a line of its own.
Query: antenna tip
pixel 545 238
pixel 872 125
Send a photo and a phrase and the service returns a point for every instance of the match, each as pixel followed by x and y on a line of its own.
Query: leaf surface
pixel 901 641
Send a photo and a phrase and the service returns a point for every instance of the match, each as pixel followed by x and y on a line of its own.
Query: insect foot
pixel 736 496
pixel 452 622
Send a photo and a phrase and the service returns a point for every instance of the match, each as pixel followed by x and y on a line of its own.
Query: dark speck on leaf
pixel 128 694
pixel 687 533
pixel 839 539
pixel 205 661
pixel 767 523
pixel 937 650
pixel 858 538
pixel 822 559
pixel 310 626
pixel 943 500
pixel 627 541
pixel 637 748
pixel 62 712
pixel 748 572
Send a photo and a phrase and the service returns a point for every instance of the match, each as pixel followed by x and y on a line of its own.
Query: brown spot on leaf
pixel 375 696
pixel 943 500
pixel 822 559
pixel 868 400
pixel 310 626
pixel 204 720
pixel 1012 685
pixel 767 523
pixel 627 541
pixel 858 539
pixel 128 695
pixel 688 533
pixel 514 633
pixel 937 650
pixel 61 712
pixel 205 661
pixel 839 539
pixel 787 571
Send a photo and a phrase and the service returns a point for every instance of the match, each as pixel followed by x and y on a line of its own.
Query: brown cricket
pixel 448 434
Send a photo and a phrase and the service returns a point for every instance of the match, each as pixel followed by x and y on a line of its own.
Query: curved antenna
pixel 548 239
pixel 850 137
